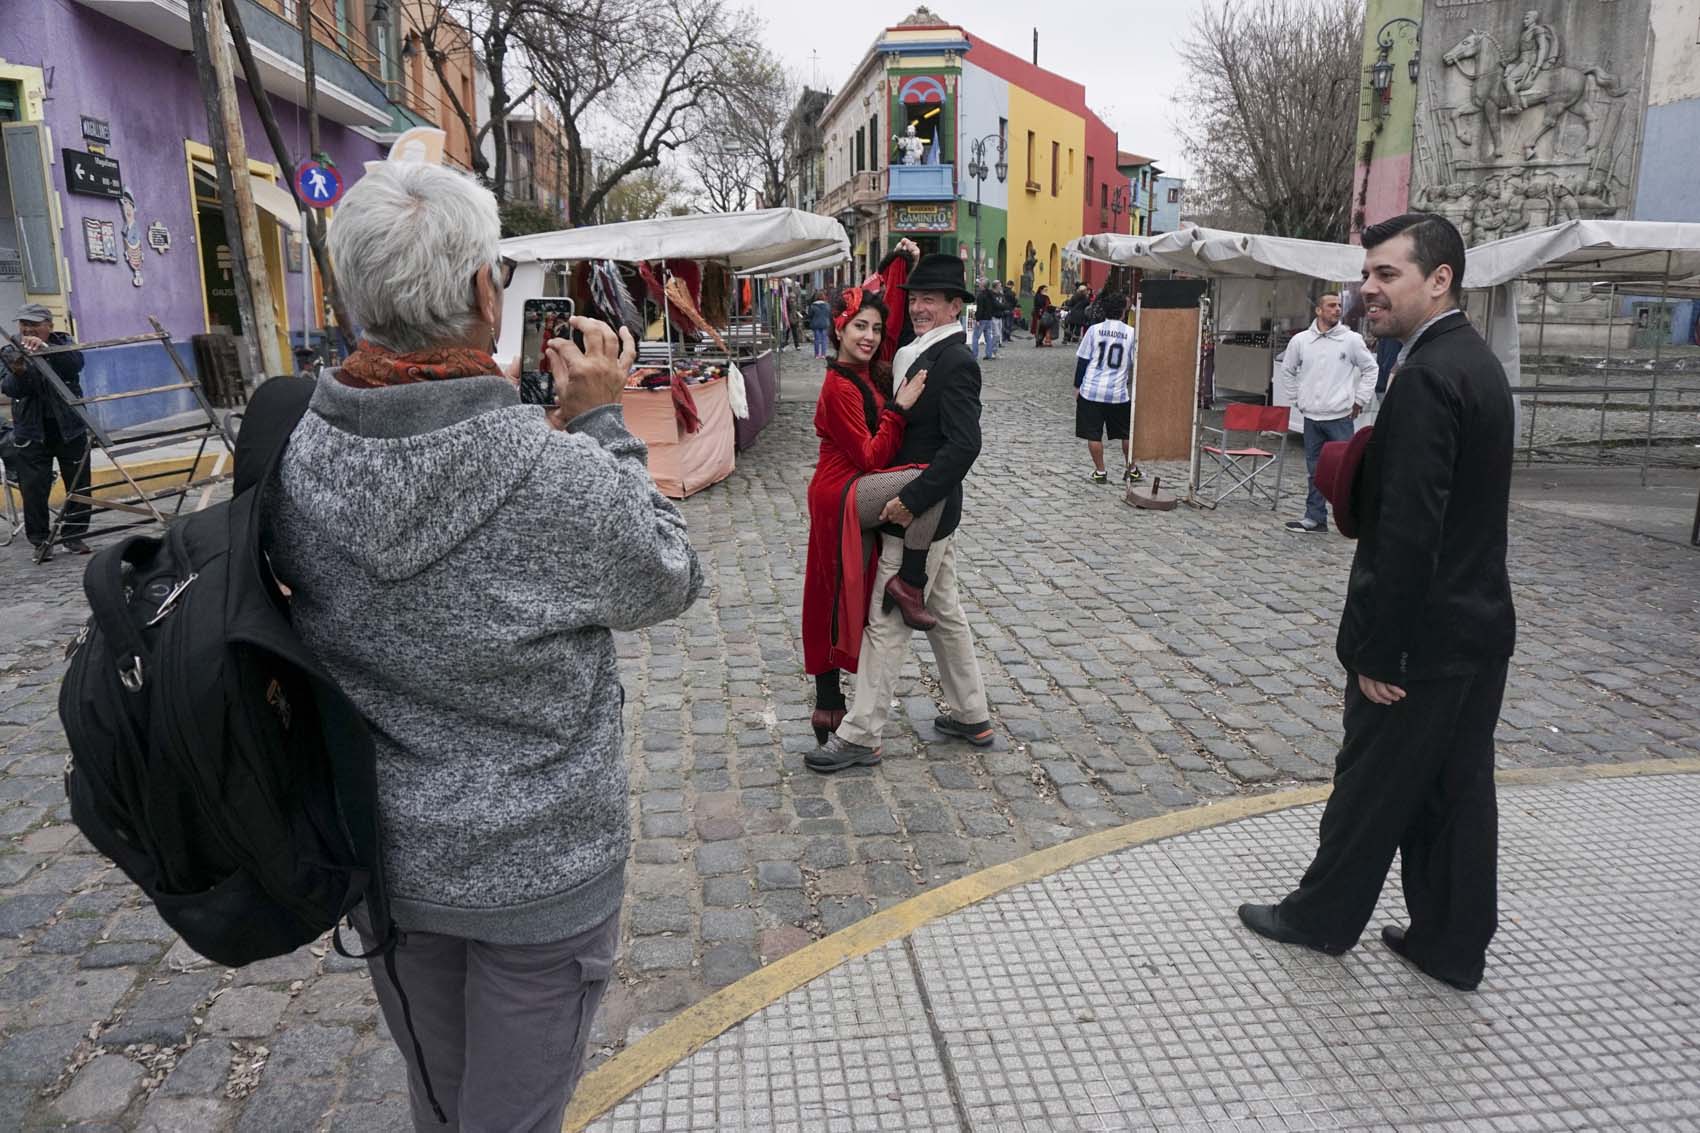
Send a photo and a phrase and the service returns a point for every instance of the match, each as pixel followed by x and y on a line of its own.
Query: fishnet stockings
pixel 877 489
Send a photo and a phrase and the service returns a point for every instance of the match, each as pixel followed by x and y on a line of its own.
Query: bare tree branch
pixel 1270 110
pixel 631 82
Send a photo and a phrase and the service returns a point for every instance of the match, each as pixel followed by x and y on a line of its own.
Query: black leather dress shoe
pixel 1266 921
pixel 1394 937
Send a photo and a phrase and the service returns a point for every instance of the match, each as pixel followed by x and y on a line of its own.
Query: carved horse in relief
pixel 1559 91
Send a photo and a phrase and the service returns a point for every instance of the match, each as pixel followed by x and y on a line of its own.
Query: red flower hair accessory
pixel 852 304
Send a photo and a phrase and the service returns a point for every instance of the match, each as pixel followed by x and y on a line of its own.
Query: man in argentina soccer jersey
pixel 1103 387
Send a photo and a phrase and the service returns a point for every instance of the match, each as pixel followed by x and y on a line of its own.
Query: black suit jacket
pixel 1429 595
pixel 943 430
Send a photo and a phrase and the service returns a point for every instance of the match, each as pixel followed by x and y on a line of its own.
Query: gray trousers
pixel 502 1026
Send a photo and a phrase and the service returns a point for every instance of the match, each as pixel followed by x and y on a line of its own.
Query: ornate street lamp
pixel 1381 76
pixel 978 170
pixel 1381 71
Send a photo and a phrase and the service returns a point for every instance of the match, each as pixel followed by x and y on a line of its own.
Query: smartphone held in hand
pixel 543 319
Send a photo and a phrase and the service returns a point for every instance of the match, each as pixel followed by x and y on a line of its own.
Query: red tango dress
pixel 860 433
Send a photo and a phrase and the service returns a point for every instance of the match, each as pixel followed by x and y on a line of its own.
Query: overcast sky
pixel 1123 51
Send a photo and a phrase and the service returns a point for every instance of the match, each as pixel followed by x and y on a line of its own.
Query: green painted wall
pixel 1381 181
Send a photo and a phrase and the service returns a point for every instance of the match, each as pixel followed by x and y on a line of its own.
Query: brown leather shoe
pixel 911 602
pixel 825 721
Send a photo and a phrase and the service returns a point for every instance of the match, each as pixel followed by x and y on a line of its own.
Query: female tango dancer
pixel 860 422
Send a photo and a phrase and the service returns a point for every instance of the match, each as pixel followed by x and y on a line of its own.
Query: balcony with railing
pixel 865 190
pixel 348 92
pixel 922 183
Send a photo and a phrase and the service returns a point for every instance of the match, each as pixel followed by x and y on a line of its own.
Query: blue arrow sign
pixel 317 184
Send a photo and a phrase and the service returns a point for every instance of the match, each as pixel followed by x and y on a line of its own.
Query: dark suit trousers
pixel 1417 777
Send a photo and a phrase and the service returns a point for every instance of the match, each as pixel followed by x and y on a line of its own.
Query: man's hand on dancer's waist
pixel 895 512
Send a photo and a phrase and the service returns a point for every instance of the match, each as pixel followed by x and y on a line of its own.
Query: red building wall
pixel 1101 157
pixel 1100 139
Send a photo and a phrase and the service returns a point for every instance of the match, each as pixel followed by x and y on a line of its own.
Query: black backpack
pixel 211 758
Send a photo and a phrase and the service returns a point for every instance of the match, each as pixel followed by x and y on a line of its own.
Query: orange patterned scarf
pixel 372 366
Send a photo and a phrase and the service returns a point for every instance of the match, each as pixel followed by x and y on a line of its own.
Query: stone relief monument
pixel 1528 113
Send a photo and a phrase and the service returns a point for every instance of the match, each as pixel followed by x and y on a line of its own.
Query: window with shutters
pixel 29 192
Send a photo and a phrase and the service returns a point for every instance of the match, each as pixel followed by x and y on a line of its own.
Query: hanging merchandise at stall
pixel 612 298
pixel 707 379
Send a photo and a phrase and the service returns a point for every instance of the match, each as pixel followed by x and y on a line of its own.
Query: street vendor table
pixel 761 390
pixel 682 463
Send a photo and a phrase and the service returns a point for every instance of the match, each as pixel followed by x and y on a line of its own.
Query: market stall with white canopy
pixel 688 449
pixel 1260 291
pixel 1628 256
pixel 1615 260
pixel 1258 281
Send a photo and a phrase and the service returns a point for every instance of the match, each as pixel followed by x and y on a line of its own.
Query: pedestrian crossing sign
pixel 318 184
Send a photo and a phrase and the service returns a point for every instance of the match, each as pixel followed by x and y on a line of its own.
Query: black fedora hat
pixel 939 272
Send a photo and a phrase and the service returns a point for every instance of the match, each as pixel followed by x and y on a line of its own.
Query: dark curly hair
pixel 870 302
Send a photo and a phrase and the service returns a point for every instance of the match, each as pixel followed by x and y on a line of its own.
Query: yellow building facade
pixel 1047 179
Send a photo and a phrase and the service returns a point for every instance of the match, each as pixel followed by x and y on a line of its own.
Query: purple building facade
pixel 71 67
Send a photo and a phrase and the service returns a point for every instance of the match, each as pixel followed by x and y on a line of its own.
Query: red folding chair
pixel 1243 469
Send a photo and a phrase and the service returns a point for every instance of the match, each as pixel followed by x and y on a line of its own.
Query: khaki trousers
pixel 885 647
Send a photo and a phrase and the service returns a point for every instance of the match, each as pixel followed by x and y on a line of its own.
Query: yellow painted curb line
pixel 706 1019
pixel 684 1034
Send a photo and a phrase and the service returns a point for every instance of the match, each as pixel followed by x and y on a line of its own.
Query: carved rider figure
pixel 1537 51
pixel 910 146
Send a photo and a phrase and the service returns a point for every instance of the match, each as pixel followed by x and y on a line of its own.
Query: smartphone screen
pixel 543 319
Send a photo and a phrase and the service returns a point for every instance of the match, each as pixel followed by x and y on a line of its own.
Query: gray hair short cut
pixel 407 240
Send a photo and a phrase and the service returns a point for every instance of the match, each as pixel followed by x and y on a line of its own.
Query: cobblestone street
pixel 1137 662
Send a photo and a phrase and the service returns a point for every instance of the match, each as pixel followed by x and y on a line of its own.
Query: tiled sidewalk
pixel 1123 994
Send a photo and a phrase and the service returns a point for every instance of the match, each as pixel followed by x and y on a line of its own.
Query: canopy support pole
pixel 1540 358
pixel 1658 356
pixel 1605 398
pixel 1197 406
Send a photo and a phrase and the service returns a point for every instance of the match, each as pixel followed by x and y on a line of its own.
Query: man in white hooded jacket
pixel 1329 374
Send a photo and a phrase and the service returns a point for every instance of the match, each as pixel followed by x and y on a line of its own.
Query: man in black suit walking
pixel 1426 635
pixel 943 433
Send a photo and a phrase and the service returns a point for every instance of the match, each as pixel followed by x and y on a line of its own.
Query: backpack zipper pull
pixel 170 602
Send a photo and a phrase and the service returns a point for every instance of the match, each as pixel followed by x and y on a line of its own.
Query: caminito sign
pixel 939 217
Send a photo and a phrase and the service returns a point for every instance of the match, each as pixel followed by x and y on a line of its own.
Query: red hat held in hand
pixel 1337 477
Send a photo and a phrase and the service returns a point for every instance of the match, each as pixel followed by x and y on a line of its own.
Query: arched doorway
pixel 1003 258
pixel 1055 262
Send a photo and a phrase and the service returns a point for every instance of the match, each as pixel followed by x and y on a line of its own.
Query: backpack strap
pixel 272 414
pixel 103 585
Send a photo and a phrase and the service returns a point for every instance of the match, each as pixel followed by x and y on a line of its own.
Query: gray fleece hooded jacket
pixel 457 565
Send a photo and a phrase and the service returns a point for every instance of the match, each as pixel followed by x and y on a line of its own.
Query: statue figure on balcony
pixel 910 146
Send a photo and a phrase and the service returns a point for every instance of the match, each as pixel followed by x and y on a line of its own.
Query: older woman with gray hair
pixel 457 562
